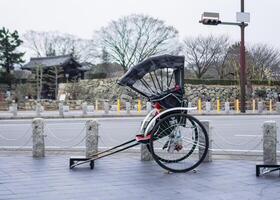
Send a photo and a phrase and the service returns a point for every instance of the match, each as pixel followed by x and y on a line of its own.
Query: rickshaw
pixel 177 141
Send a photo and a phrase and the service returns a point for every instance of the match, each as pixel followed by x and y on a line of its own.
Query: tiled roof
pixel 49 61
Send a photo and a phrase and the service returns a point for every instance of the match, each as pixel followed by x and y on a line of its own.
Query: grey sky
pixel 82 17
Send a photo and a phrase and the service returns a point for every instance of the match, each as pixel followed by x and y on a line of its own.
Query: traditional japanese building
pixel 55 69
pixel 71 68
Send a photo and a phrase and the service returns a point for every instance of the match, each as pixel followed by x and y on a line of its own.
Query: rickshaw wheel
pixel 179 142
pixel 187 155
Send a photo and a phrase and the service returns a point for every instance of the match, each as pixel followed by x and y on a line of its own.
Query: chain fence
pixel 24 140
pixel 221 145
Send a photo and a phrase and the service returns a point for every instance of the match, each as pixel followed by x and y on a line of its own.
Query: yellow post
pixel 254 105
pixel 119 105
pixel 218 105
pixel 199 105
pixel 270 105
pixel 139 105
pixel 96 105
pixel 237 105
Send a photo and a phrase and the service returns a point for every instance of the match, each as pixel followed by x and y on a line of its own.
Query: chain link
pixel 65 140
pixel 230 143
pixel 23 145
pixel 15 139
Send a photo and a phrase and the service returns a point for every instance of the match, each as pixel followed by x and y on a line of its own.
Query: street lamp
pixel 67 76
pixel 242 18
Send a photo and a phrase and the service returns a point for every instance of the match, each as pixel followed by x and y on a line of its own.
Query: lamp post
pixel 67 76
pixel 209 18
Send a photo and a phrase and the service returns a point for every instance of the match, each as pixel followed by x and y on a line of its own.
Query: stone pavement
pixel 124 176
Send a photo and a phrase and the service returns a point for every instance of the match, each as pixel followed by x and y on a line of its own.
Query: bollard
pixel 199 105
pixel 278 107
pixel 38 109
pixel 14 109
pixel 208 106
pixel 270 105
pixel 189 106
pixel 96 105
pixel 38 150
pixel 218 105
pixel 139 106
pixel 260 107
pixel 60 109
pixel 148 107
pixel 208 157
pixel 84 108
pixel 118 105
pixel 227 107
pixel 254 105
pixel 106 107
pixel 127 107
pixel 145 153
pixel 237 106
pixel 91 138
pixel 269 143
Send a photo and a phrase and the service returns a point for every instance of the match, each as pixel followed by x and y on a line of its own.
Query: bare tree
pixel 202 52
pixel 39 80
pixel 131 39
pixel 264 61
pixel 41 44
pixel 52 79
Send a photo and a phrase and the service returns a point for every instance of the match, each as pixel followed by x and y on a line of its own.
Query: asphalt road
pixel 229 132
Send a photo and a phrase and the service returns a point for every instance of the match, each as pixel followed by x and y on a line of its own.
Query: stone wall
pixel 228 93
pixel 108 90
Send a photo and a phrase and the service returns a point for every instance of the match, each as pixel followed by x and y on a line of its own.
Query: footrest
pixel 74 160
pixel 271 168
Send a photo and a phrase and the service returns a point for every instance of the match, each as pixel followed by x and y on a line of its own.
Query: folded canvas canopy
pixel 159 78
pixel 138 71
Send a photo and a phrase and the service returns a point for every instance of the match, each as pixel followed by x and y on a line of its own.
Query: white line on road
pixel 248 135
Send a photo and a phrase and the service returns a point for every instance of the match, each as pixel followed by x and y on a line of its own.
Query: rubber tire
pixel 160 161
pixel 91 164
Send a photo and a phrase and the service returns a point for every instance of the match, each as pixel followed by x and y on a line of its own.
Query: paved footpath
pixel 124 176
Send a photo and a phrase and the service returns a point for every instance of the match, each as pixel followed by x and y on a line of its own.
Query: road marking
pixel 248 135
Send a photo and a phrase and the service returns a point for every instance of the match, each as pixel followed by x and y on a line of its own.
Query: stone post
pixel 208 157
pixel 14 109
pixel 38 150
pixel 189 106
pixel 38 109
pixel 269 143
pixel 227 107
pixel 145 153
pixel 148 107
pixel 260 107
pixel 106 107
pixel 127 107
pixel 84 108
pixel 278 107
pixel 60 109
pixel 91 137
pixel 208 106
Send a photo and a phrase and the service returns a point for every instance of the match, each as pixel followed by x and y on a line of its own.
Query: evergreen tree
pixel 8 45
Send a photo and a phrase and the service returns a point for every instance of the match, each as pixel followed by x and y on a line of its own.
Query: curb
pixel 132 115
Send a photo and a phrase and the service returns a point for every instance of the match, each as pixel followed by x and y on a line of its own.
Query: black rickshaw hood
pixel 137 72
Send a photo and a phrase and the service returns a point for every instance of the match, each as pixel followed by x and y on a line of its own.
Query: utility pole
pixel 209 18
pixel 242 65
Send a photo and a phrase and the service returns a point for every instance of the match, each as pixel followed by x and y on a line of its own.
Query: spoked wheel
pixel 179 142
